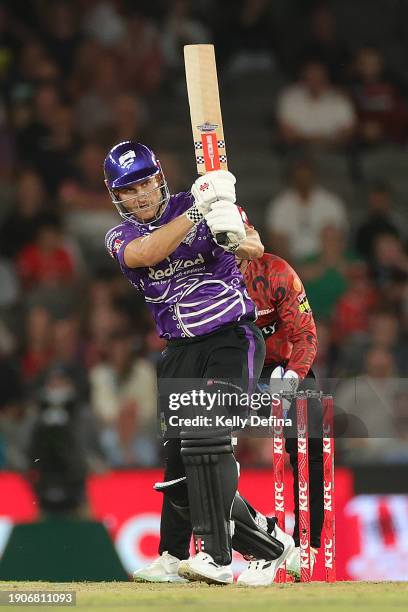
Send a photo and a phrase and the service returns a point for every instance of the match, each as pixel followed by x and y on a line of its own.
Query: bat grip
pixel 222 238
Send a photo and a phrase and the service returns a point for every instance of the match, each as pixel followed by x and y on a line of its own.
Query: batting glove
pixel 224 217
pixel 216 185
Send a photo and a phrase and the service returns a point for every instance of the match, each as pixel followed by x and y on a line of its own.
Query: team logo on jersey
pixel 190 236
pixel 304 306
pixel 116 245
pixel 127 159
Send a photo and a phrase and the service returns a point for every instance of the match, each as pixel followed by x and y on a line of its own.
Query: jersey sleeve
pixel 297 319
pixel 116 241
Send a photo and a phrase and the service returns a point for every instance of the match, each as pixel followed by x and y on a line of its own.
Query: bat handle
pixel 222 239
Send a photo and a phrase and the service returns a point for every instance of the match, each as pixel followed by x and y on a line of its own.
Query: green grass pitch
pixel 194 597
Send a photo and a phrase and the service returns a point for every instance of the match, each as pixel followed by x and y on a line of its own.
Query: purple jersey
pixel 196 289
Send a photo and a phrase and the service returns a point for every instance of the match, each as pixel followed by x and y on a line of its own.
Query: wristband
pixel 194 215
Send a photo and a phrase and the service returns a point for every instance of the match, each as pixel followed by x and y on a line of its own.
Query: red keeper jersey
pixel 284 314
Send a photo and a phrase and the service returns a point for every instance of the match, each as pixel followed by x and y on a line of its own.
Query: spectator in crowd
pixel 380 219
pixel 34 133
pixel 86 58
pixel 389 270
pixel 368 403
pixel 46 261
pixel 56 163
pixel 88 210
pixel 250 45
pixel 37 344
pixel 129 120
pixel 383 332
pixel 94 107
pixel 25 214
pixel 295 218
pixel 61 33
pixel 48 141
pixel 12 454
pixel 181 28
pixel 123 396
pixel 313 113
pixel 103 21
pixel 324 362
pixel 325 274
pixel 68 351
pixel 35 67
pixel 8 157
pixel 381 109
pixel 351 314
pixel 323 43
pixel 16 423
pixel 102 320
pixel 10 375
pixel 9 285
pixel 142 58
pixel 389 263
pixel 8 44
pixel 63 444
pixel 401 423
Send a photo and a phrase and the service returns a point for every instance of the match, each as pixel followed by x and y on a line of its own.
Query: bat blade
pixel 205 109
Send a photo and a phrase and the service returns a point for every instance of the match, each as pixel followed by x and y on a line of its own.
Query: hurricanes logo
pixel 204 186
pixel 189 239
pixel 127 159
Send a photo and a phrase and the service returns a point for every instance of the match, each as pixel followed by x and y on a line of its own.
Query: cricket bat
pixel 205 112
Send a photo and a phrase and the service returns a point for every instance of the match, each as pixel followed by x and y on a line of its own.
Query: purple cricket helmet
pixel 128 163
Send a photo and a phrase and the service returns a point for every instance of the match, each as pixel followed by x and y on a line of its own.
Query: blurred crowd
pixel 78 349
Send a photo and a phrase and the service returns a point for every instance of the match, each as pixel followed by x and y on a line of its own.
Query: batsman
pixel 166 247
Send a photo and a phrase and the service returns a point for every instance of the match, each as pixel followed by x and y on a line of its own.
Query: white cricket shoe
pixel 262 572
pixel 202 568
pixel 163 569
pixel 293 562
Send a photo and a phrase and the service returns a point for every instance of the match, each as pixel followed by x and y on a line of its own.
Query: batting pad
pixel 212 480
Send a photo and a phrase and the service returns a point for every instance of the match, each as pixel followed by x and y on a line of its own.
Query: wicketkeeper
pixel 287 324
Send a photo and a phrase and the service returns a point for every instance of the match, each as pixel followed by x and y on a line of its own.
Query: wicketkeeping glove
pixel 282 380
pixel 224 217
